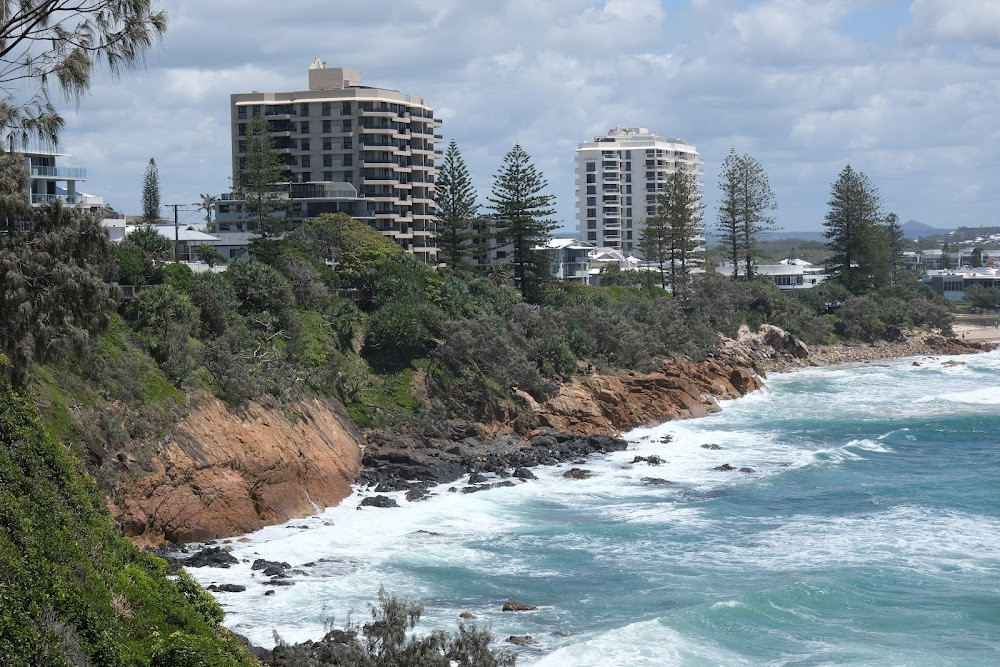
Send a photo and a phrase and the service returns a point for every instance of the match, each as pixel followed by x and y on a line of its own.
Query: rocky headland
pixel 223 473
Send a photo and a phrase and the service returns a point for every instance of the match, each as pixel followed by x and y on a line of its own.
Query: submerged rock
pixel 712 446
pixel 518 606
pixel 578 473
pixel 520 640
pixel 725 467
pixel 654 481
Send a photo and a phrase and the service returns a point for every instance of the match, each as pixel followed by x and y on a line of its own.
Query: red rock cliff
pixel 609 404
pixel 226 473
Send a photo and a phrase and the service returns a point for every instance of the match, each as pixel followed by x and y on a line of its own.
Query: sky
pixel 906 92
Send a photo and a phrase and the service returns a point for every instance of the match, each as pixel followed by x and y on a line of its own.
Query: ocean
pixel 868 533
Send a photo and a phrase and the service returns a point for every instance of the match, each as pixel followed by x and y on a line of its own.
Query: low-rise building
pixel 787 275
pixel 50 180
pixel 569 259
pixel 953 284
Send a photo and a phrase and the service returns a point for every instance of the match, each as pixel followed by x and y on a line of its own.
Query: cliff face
pixel 225 473
pixel 681 389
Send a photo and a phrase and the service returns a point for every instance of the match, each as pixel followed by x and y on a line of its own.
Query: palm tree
pixel 207 204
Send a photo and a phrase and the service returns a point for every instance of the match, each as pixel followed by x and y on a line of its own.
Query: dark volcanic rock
pixel 210 557
pixel 655 481
pixel 261 564
pixel 524 473
pixel 518 606
pixel 747 470
pixel 227 588
pixel 725 467
pixel 378 501
pixel 476 478
pixel 712 446
pixel 578 473
pixel 467 615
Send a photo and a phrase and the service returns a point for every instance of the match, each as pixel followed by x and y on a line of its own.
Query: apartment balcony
pixel 72 200
pixel 377 113
pixel 59 173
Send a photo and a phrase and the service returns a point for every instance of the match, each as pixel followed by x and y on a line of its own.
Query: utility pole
pixel 176 233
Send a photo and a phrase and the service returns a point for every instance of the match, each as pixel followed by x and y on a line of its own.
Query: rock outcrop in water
pixel 224 473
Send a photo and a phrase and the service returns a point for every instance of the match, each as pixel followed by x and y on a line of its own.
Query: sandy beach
pixel 981 330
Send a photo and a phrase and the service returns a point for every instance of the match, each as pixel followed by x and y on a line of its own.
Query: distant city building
pixel 338 132
pixel 618 177
pixel 50 181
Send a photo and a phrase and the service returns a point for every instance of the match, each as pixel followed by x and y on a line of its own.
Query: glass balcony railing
pixel 45 199
pixel 59 172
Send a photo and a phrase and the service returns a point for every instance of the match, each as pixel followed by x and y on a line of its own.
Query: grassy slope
pixel 72 592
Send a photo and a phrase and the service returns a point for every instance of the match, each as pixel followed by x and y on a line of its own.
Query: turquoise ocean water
pixel 869 534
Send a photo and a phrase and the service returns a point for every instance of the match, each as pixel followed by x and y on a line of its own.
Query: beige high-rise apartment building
pixel 618 177
pixel 339 132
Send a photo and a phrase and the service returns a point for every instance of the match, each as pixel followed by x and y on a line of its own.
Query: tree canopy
pixel 743 209
pixel 61 42
pixel 151 193
pixel 455 199
pixel 852 227
pixel 521 209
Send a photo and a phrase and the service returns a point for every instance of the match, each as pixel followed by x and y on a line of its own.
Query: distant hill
pixel 915 230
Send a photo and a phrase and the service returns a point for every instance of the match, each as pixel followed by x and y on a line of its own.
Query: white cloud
pixel 974 21
pixel 782 79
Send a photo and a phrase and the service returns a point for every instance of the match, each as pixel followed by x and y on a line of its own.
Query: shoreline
pixel 923 345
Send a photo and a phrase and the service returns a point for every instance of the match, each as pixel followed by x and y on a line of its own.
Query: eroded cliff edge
pixel 225 472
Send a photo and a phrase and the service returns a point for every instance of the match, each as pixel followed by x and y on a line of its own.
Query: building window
pixel 628 235
pixel 327 144
pixel 591 189
pixel 628 213
pixel 255 110
pixel 591 166
pixel 591 212
pixel 327 127
pixel 241 113
pixel 304 127
pixel 591 236
pixel 591 178
pixel 327 175
pixel 327 111
pixel 304 109
pixel 347 125
pixel 349 175
pixel 591 201
pixel 306 177
pixel 348 144
pixel 242 130
pixel 591 224
pixel 327 160
pixel 348 160
pixel 306 161
pixel 305 144
pixel 242 146
pixel 345 109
